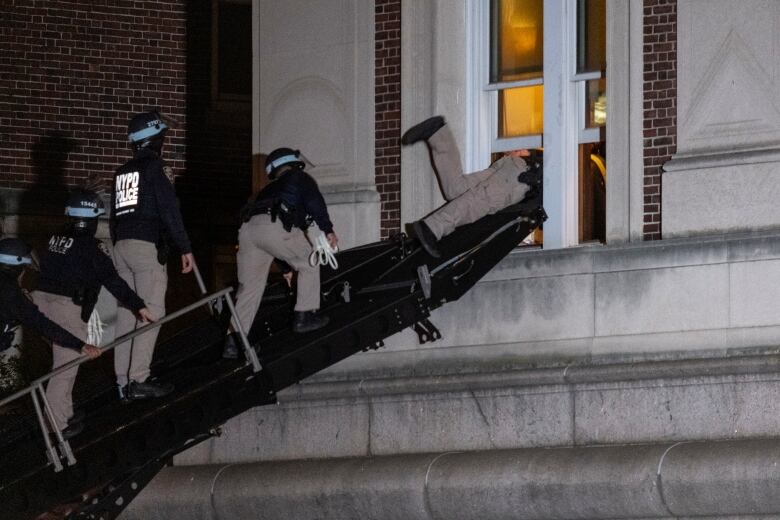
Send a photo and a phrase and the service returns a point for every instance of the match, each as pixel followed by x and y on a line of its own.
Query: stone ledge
pixel 685 162
pixel 575 373
pixel 651 481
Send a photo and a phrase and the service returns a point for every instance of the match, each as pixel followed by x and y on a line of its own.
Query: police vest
pixel 66 270
pixel 134 197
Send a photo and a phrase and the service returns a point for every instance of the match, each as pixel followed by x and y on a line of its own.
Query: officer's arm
pixel 110 279
pixel 315 205
pixel 169 208
pixel 29 315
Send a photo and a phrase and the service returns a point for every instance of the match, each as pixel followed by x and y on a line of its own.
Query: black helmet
pixel 84 207
pixel 146 128
pixel 280 157
pixel 14 252
pixel 85 204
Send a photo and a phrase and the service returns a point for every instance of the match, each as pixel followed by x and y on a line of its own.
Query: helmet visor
pixel 305 160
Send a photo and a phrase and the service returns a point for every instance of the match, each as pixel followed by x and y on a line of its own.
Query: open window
pixel 519 85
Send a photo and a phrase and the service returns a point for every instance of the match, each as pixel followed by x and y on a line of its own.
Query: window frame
pixel 501 144
pixel 564 101
pixel 580 79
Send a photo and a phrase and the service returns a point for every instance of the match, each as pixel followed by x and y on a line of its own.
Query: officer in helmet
pixel 17 309
pixel 74 267
pixel 144 207
pixel 274 227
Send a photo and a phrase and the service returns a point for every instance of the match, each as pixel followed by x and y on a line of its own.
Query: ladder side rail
pixel 122 339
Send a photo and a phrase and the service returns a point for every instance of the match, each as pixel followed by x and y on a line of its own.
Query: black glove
pixel 533 177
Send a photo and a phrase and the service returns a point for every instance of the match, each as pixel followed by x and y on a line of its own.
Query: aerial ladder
pixel 378 290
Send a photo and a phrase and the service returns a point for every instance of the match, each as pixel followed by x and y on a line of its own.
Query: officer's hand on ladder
pixel 146 316
pixel 91 351
pixel 186 263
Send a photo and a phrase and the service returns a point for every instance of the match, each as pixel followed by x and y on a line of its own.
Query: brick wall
pixel 388 113
pixel 72 72
pixel 660 104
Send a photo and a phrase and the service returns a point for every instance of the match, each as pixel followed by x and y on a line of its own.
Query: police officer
pixel 470 197
pixel 274 227
pixel 16 309
pixel 73 268
pixel 144 207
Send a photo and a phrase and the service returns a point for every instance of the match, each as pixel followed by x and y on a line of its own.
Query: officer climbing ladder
pixel 378 290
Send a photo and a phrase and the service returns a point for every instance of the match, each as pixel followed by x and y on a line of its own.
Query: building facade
pixel 627 368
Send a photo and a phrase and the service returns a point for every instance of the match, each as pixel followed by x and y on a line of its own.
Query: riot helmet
pixel 283 157
pixel 14 256
pixel 84 207
pixel 147 130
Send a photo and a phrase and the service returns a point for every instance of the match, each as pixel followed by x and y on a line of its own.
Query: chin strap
pixel 322 254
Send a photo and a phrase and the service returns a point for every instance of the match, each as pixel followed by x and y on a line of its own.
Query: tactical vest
pixel 281 199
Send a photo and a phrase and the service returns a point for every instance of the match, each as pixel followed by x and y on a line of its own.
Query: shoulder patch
pixel 104 248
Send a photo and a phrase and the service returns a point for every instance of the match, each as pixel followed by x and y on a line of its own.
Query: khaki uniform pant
pixel 136 262
pixel 472 196
pixel 259 242
pixel 59 392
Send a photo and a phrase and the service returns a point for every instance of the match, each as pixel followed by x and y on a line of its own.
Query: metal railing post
pixel 251 355
pixel 64 445
pixel 198 277
pixel 53 455
pixel 36 391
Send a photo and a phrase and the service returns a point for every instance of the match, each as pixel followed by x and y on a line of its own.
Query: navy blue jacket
pixel 74 263
pixel 16 309
pixel 297 189
pixel 143 203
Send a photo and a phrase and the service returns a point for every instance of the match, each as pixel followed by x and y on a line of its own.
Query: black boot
pixel 426 238
pixel 423 130
pixel 307 321
pixel 73 429
pixel 147 390
pixel 78 416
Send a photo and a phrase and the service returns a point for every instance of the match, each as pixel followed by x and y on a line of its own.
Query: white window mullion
pixel 560 127
pixel 480 109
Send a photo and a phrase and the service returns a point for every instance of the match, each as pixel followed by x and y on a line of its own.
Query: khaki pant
pixel 136 262
pixel 59 392
pixel 259 242
pixel 472 196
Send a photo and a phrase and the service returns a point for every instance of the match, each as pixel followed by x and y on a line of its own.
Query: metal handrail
pixel 43 411
pixel 118 341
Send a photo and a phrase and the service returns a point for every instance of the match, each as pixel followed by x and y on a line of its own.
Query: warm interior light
pixel 522 111
pixel 521 34
pixel 600 111
pixel 524 33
